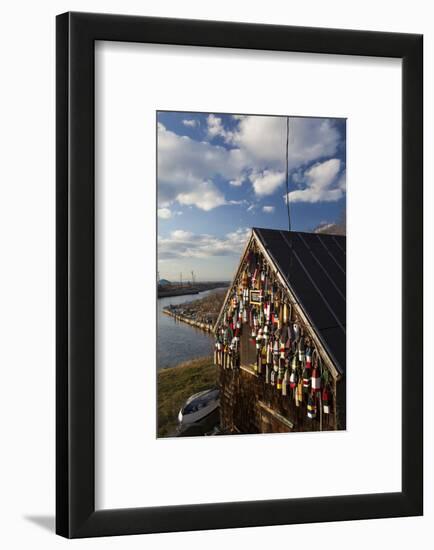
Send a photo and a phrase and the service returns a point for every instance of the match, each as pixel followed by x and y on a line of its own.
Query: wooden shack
pixel 281 335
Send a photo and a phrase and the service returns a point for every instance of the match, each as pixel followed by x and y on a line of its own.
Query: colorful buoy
pixel 311 407
pixel 316 380
pixel 293 379
pixel 325 401
pixel 306 378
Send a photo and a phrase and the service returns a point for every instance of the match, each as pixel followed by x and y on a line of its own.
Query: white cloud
pixel 205 196
pixel 238 202
pixel 237 182
pixel 268 209
pixel 192 123
pixel 216 128
pixel 188 169
pixel 164 213
pixel 181 235
pixel 184 244
pixel 263 140
pixel 321 183
pixel 267 182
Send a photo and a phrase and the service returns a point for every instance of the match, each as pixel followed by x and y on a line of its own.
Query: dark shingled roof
pixel 317 277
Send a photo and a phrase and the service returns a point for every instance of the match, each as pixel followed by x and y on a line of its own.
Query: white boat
pixel 199 406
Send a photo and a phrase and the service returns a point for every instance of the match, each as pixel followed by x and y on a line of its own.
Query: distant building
pixel 281 335
pixel 164 282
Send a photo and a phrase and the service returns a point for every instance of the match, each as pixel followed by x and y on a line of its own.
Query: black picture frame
pixel 76 515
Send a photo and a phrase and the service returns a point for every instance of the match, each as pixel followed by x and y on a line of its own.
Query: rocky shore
pixel 205 326
pixel 201 314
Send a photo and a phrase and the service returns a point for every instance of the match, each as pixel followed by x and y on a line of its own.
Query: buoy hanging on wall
pixel 306 378
pixel 293 379
pixel 316 379
pixel 311 407
pixel 296 330
pixel 308 357
pixel 326 401
pixel 301 351
pixel 299 393
pixel 286 354
pixel 285 383
pixel 276 355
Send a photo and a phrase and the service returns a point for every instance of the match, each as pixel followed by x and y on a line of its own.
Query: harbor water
pixel 177 341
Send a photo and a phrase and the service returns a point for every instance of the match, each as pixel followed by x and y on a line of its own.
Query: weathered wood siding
pixel 248 403
pixel 241 411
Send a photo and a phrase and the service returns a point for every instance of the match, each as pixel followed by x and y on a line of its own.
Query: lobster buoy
pixel 306 378
pixel 257 365
pixel 311 407
pixel 301 351
pixel 294 362
pixel 293 379
pixel 299 393
pixel 267 374
pixel 285 383
pixel 316 379
pixel 269 354
pixel 280 375
pixel 276 355
pixel 246 296
pixel 259 339
pixel 282 349
pixel 273 377
pixel 285 313
pixel 326 401
pixel 235 344
pixel 267 311
pixel 308 357
pixel 263 359
pixel 296 330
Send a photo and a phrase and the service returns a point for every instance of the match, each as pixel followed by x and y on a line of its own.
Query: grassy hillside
pixel 175 385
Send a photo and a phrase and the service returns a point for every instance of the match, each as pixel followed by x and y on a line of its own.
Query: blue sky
pixel 219 175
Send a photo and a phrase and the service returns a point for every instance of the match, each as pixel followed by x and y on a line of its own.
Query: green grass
pixel 175 385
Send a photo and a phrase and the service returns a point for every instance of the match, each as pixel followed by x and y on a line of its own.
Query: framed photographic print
pixel 225 358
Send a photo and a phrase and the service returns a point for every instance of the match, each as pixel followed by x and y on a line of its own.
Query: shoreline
pixel 205 327
pixel 174 293
pixel 169 291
